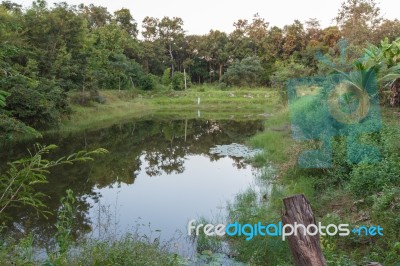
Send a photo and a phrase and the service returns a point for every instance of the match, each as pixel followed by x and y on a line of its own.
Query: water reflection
pixel 160 171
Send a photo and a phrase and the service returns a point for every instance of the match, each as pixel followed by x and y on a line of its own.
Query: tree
pixel 357 19
pixel 171 33
pixel 387 29
pixel 124 18
pixel 331 36
pixel 247 72
pixel 96 16
pixel 214 50
pixel 239 43
pixel 274 43
pixel 294 38
pixel 257 31
pixel 313 32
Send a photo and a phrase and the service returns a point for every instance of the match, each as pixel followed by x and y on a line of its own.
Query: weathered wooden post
pixel 305 248
pixel 184 74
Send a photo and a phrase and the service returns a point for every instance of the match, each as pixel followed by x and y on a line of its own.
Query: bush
pixel 178 81
pixel 148 82
pixel 32 108
pixel 11 128
pixel 166 77
pixel 245 73
pixel 284 72
pixel 367 179
pixel 39 105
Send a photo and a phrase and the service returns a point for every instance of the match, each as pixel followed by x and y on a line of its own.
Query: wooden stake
pixel 184 74
pixel 306 249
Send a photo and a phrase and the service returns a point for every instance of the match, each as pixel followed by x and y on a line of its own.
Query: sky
pixel 201 16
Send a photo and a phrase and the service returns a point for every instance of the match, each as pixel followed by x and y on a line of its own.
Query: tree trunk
pixel 172 60
pixel 395 93
pixel 306 249
pixel 221 66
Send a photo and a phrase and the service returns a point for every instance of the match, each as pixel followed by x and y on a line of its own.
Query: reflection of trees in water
pixel 159 163
pixel 160 145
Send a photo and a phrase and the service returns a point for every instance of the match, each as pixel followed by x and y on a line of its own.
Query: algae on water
pixel 234 150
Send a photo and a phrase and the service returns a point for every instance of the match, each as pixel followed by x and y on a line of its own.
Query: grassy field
pixel 214 104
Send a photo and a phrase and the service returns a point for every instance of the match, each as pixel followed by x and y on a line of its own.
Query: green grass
pixel 128 250
pixel 121 106
pixel 328 191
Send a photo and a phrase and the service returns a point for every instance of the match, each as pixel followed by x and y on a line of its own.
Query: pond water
pixel 158 175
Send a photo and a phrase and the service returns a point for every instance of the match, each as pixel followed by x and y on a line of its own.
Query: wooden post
pixel 184 74
pixel 306 249
pixel 133 85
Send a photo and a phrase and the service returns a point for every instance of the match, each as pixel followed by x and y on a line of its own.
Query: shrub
pixel 245 73
pixel 367 179
pixel 32 107
pixel 39 106
pixel 178 81
pixel 11 128
pixel 284 72
pixel 147 82
pixel 166 77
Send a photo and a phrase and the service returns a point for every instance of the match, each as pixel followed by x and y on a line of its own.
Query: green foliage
pixel 385 58
pixel 18 183
pixel 285 71
pixel 148 82
pixel 206 243
pixel 11 128
pixel 64 226
pixel 178 81
pixel 166 77
pixel 3 96
pixel 247 208
pixel 247 72
pixel 128 250
pixel 370 179
pixel 20 252
pixel 65 221
pixel 35 108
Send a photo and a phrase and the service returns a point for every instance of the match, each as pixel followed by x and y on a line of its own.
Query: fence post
pixel 306 249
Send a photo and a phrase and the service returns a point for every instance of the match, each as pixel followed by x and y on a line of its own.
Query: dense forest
pixel 46 52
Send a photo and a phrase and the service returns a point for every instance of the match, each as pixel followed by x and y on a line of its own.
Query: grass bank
pixel 357 194
pixel 235 104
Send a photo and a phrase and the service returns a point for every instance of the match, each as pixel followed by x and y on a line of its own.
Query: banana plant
pixel 387 57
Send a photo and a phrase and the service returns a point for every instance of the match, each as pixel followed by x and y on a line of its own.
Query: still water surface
pixel 158 175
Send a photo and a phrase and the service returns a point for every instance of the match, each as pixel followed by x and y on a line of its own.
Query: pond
pixel 158 175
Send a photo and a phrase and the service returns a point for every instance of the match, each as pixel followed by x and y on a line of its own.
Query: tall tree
pixel 215 50
pixel 387 29
pixel 239 42
pixel 294 38
pixel 171 33
pixel 125 19
pixel 96 16
pixel 357 19
pixel 257 31
pixel 313 32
